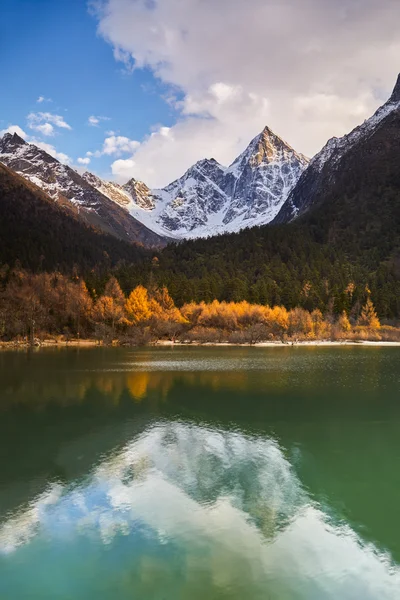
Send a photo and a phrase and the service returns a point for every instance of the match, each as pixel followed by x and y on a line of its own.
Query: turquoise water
pixel 200 473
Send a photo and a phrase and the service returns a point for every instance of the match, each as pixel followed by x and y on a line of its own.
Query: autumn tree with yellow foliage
pixel 33 305
pixel 137 306
pixel 368 316
pixel 109 308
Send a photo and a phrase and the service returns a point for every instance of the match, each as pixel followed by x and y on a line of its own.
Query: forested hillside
pixel 294 265
pixel 330 259
pixel 346 243
pixel 43 235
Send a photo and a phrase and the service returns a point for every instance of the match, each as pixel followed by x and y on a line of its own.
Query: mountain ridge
pixel 320 173
pixel 45 235
pixel 61 182
pixel 210 198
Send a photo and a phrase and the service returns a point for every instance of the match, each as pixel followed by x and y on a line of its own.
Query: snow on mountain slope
pixel 65 185
pixel 113 191
pixel 265 174
pixel 321 171
pixel 210 198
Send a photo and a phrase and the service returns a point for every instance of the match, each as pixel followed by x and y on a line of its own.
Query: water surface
pixel 218 473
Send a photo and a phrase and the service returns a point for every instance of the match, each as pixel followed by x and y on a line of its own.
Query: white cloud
pixel 45 129
pixel 95 121
pixel 15 129
pixel 169 151
pixel 115 145
pixel 44 122
pixel 42 99
pixel 84 161
pixel 310 69
pixel 123 168
pixel 119 144
pixel 64 158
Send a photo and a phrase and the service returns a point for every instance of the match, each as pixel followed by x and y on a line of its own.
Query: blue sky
pixel 50 49
pixel 209 75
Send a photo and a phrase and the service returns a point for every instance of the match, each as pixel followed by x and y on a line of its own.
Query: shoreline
pixel 90 343
pixel 306 343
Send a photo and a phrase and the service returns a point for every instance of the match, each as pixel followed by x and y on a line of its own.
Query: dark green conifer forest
pixel 330 259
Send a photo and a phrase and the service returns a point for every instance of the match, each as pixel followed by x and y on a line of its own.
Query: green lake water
pixel 200 473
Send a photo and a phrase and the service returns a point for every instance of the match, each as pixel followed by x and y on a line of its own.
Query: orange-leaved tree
pixel 137 306
pixel 344 323
pixel 109 309
pixel 368 316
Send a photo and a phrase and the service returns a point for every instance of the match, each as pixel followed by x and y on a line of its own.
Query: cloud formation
pixel 115 145
pixel 84 161
pixel 64 158
pixel 310 69
pixel 45 123
pixel 95 121
pixel 42 99
pixel 14 129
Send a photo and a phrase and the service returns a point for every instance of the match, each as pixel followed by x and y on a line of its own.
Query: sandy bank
pixel 90 343
pixel 282 344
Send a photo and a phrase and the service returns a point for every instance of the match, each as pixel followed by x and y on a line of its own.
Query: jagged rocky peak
pixel 330 163
pixel 11 141
pixel 140 193
pixel 208 164
pixel 395 97
pixel 208 168
pixel 88 196
pixel 92 179
pixel 204 168
pixel 111 190
pixel 267 146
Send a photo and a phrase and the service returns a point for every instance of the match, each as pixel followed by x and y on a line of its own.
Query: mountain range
pixel 335 240
pixel 268 182
pixel 365 145
pixel 208 199
pixel 42 234
pixel 335 236
pixel 64 185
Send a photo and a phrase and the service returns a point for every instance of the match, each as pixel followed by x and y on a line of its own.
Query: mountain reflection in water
pixel 212 474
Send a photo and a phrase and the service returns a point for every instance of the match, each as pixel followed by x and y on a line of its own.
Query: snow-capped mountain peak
pixel 87 197
pixel 10 142
pixel 211 198
pixel 261 179
pixel 336 147
pixel 140 194
pixel 266 147
pixel 208 199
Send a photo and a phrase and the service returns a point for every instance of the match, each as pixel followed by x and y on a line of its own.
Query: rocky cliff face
pixel 210 198
pixel 262 178
pixel 65 185
pixel 207 200
pixel 332 164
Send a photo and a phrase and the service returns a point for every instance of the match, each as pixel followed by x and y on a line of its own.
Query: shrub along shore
pixel 52 308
